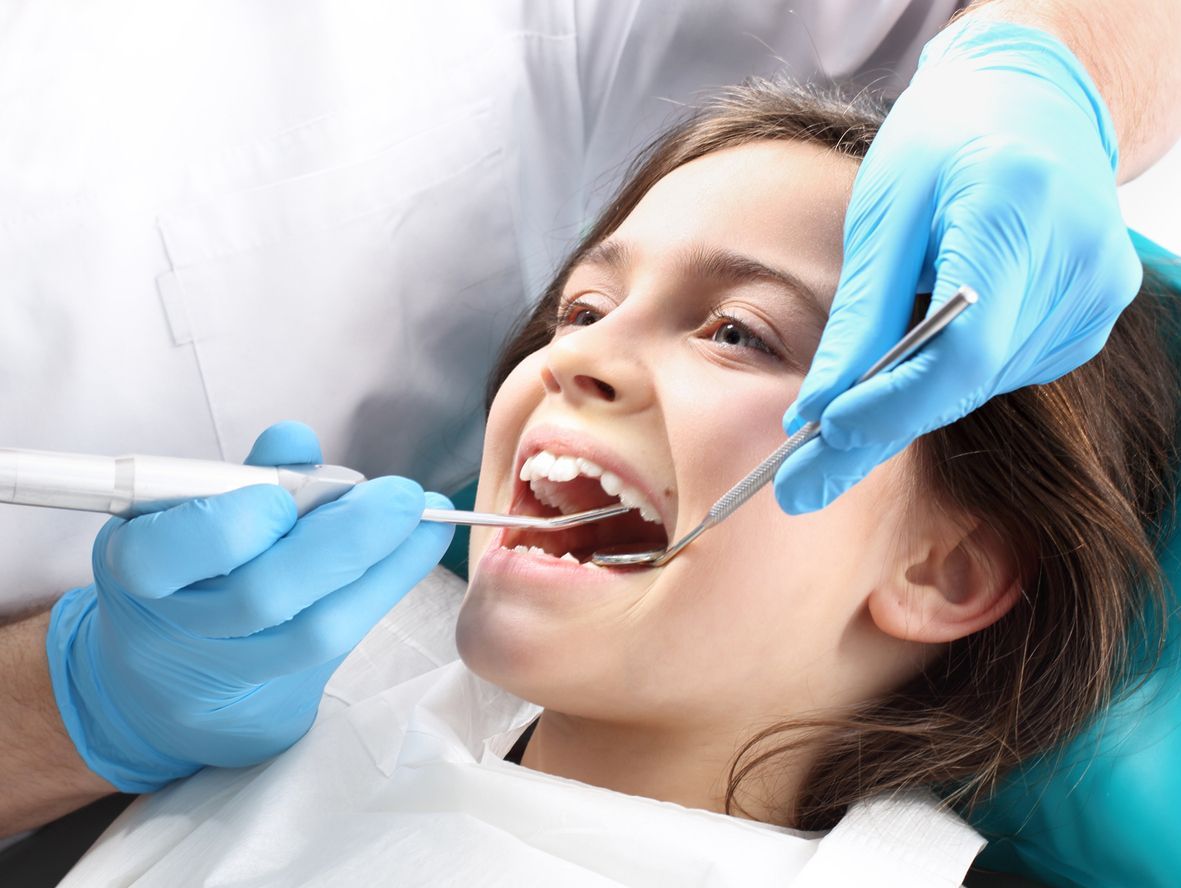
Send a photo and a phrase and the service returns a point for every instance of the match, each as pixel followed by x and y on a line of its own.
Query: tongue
pixel 626 533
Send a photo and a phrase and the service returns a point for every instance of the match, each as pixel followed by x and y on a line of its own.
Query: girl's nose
pixel 598 365
pixel 591 387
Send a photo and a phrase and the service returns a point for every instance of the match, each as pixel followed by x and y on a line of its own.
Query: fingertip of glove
pixel 817 474
pixel 285 443
pixel 291 428
pixel 435 500
pixel 403 495
pixel 444 532
pixel 869 415
pixel 792 421
pixel 837 436
pixel 793 483
pixel 800 496
pixel 792 500
pixel 245 521
pixel 809 403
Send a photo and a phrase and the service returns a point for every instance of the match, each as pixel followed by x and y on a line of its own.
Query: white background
pixel 1152 203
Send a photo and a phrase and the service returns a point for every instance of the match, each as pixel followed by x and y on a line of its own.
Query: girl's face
pixel 680 343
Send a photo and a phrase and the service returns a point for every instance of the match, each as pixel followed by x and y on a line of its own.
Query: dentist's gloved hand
pixel 212 627
pixel 995 169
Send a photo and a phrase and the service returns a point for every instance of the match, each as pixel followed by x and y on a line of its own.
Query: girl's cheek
pixel 517 398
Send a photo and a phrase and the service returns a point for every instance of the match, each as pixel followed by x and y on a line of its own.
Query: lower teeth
pixel 540 552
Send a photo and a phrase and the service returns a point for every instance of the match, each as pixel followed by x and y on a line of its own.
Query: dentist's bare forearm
pixel 42 776
pixel 1130 50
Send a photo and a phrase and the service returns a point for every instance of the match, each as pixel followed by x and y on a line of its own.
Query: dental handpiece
pixel 128 486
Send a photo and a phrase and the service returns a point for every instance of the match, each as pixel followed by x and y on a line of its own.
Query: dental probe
pixel 128 486
pixel 919 335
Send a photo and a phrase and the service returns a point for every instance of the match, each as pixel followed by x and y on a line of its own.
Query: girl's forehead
pixel 782 202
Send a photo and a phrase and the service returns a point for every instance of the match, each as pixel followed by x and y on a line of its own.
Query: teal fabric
pixel 1104 812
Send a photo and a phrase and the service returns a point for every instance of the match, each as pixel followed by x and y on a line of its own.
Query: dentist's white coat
pixel 215 215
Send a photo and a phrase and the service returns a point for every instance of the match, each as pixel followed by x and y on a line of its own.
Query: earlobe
pixel 947 590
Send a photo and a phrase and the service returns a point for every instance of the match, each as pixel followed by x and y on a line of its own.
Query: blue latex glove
pixel 995 168
pixel 212 627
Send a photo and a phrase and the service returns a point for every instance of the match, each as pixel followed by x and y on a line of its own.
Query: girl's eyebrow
pixel 716 264
pixel 725 265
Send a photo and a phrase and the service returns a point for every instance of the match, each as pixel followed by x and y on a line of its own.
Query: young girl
pixel 968 605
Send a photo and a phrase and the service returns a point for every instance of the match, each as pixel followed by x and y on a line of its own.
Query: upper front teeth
pixel 546 465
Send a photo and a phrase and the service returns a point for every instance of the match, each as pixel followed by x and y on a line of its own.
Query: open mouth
pixel 552 484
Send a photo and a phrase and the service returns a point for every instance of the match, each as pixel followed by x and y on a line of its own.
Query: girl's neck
pixel 688 766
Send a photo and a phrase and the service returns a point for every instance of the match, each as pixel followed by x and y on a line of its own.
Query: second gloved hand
pixel 212 627
pixel 994 169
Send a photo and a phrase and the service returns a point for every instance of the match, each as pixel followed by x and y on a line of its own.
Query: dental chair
pixel 1099 812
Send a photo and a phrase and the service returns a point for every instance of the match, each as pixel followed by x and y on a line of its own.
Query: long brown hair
pixel 1075 476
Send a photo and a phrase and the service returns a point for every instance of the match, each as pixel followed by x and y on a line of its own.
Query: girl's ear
pixel 952 579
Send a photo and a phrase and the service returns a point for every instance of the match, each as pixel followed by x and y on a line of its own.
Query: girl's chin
pixel 507 644
pixel 523 610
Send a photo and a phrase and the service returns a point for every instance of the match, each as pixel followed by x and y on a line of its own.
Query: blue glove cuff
pixel 986 44
pixel 108 745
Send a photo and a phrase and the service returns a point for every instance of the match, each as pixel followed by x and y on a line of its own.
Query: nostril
pixel 591 385
pixel 608 391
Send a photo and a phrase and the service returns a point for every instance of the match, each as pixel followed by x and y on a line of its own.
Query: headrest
pixel 1103 810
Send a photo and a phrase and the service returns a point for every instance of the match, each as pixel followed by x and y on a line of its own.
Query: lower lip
pixel 541 569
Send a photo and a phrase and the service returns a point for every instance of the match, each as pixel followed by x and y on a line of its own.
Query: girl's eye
pixel 731 332
pixel 581 317
pixel 577 313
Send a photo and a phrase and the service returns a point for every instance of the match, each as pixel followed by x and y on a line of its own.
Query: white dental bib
pixel 402 782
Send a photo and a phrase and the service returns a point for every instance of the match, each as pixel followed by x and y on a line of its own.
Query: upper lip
pixel 561 440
